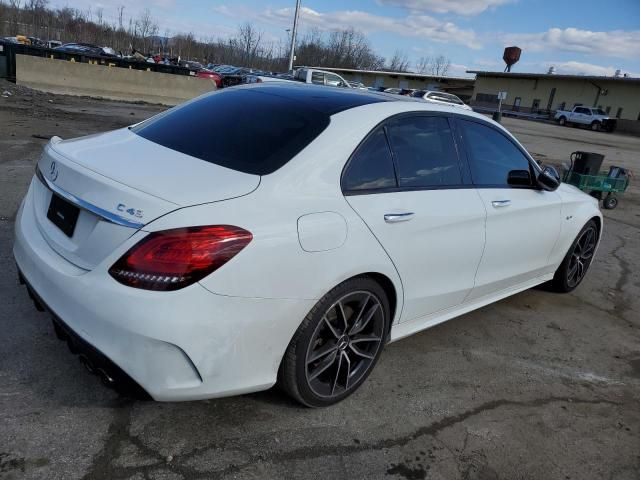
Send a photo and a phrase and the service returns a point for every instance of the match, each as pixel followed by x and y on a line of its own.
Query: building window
pixel 608 109
pixel 486 97
pixel 619 113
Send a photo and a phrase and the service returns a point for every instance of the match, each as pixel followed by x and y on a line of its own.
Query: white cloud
pixel 419 26
pixel 461 7
pixel 581 68
pixel 614 43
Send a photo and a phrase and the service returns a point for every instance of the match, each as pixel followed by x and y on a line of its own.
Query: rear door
pixel 407 183
pixel 523 222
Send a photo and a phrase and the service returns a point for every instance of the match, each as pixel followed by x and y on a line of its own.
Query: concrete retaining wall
pixel 85 79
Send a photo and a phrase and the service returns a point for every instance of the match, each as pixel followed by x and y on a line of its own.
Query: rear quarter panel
pixel 275 264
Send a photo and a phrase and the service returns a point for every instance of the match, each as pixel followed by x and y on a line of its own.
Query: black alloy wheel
pixel 581 256
pixel 338 344
pixel 576 263
pixel 344 344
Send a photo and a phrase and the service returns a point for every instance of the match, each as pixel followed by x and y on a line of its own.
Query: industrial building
pixel 460 86
pixel 537 93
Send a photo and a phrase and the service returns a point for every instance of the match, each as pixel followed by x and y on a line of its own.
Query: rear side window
pixel 371 167
pixel 424 151
pixel 246 130
pixel 333 80
pixel 317 78
pixel 491 155
pixel 444 97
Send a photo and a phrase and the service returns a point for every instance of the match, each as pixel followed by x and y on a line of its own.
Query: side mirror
pixel 548 179
pixel 519 178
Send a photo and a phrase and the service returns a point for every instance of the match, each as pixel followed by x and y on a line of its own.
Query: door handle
pixel 501 203
pixel 398 217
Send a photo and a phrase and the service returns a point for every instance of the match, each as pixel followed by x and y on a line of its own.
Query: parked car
pixel 357 85
pixel 395 91
pixel 191 65
pixel 305 75
pixel 196 259
pixel 594 118
pixel 87 49
pixel 442 98
pixel 208 74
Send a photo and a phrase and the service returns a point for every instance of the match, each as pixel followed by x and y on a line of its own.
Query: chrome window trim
pixel 78 202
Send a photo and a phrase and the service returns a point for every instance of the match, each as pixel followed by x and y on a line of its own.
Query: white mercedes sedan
pixel 286 233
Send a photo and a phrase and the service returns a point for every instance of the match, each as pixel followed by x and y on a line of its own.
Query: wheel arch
pixel 598 221
pixel 390 289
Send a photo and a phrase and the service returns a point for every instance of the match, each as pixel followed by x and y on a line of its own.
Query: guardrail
pixel 8 53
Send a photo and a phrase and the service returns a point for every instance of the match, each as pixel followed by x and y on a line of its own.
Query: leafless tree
pixel 438 66
pixel 399 62
pixel 145 26
pixel 345 48
pixel 120 16
pixel 248 42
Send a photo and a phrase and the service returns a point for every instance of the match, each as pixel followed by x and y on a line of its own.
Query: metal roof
pixel 481 73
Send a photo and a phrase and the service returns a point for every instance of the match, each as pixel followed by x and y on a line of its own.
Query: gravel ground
pixel 537 386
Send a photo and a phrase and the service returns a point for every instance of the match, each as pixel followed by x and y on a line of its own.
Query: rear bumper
pixel 93 359
pixel 184 345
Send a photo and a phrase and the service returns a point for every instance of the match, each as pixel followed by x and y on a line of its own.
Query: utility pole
pixel 293 35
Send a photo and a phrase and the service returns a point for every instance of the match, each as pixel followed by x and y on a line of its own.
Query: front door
pixel 523 222
pixel 429 222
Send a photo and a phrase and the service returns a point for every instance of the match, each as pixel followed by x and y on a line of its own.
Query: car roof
pixel 327 100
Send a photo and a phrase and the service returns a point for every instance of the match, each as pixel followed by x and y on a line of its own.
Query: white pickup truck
pixel 594 118
pixel 305 75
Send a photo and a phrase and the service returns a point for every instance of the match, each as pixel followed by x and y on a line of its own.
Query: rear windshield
pixel 446 97
pixel 246 130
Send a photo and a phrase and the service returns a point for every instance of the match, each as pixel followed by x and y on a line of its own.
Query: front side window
pixel 491 154
pixel 371 167
pixel 424 152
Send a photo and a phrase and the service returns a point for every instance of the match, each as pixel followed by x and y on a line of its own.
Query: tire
pixel 579 256
pixel 562 121
pixel 343 361
pixel 595 126
pixel 610 202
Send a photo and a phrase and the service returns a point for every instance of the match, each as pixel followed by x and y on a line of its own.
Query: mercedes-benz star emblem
pixel 53 171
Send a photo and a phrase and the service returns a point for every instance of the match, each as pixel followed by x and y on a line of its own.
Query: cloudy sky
pixel 592 37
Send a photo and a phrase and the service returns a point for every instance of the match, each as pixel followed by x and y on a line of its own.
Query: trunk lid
pixel 121 182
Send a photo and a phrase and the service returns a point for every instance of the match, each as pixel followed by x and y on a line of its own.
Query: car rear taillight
pixel 173 259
